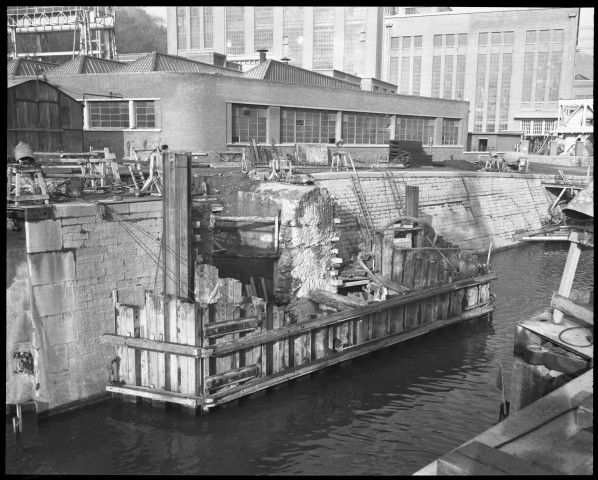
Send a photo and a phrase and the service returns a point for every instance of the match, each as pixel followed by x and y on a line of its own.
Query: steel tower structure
pixel 95 26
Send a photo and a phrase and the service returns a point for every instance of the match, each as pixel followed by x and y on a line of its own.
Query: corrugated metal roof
pixel 84 64
pixel 159 62
pixel 100 65
pixel 23 67
pixel 283 72
pixel 72 67
pixel 258 72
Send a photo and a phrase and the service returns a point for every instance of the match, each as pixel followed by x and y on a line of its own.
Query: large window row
pixel 297 125
pixel 307 126
pixel 414 128
pixel 538 126
pixel 250 123
pixel 366 128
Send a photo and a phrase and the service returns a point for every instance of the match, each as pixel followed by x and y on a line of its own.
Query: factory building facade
pixel 197 107
pixel 512 66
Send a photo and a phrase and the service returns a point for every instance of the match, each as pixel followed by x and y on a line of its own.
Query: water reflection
pixel 390 412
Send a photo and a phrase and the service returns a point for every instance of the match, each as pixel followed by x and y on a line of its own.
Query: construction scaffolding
pixel 92 27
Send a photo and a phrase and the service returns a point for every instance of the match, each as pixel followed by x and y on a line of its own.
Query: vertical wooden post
pixel 178 267
pixel 411 201
pixel 176 201
pixel 568 274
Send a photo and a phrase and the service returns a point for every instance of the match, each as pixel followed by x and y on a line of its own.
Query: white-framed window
pixel 307 126
pixel 366 128
pixel 250 122
pixel 408 127
pixel 450 131
pixel 121 114
pixel 526 126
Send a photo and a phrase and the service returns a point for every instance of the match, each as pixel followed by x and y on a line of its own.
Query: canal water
pixel 390 412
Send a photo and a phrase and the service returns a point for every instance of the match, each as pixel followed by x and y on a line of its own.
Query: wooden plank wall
pixel 220 314
pixel 425 267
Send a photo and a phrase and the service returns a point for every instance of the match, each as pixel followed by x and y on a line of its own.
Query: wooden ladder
pixel 363 207
pixel 394 190
pixel 137 177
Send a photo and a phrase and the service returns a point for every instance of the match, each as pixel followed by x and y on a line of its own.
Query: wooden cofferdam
pixel 206 340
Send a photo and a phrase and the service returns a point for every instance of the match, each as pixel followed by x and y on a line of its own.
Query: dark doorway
pixel 482 144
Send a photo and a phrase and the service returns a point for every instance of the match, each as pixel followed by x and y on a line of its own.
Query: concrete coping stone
pixel 424 173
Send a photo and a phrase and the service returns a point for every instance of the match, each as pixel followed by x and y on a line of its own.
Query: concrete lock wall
pixel 61 273
pixel 468 209
pixel 74 261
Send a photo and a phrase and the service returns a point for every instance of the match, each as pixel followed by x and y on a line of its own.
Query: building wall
pixel 74 260
pixel 519 22
pixel 193 108
pixel 372 42
pixel 468 209
pixel 43 117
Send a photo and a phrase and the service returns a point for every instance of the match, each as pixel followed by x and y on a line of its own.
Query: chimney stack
pixel 262 52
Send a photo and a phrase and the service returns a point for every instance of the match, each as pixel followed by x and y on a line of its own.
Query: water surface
pixel 390 412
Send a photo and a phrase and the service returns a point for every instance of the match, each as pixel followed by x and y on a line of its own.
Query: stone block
pixel 75 210
pixel 146 206
pixel 51 267
pixel 60 329
pixel 54 299
pixel 44 236
pixel 57 359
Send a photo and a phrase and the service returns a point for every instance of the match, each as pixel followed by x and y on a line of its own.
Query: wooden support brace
pixel 570 307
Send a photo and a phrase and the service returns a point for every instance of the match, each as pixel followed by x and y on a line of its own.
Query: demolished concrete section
pixel 306 233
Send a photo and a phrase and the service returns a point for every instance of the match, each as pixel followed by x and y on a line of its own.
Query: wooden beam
pixel 384 281
pixel 570 307
pixel 254 219
pixel 232 326
pixel 152 345
pixel 334 300
pixel 568 273
pixel 233 376
pixel 178 265
pixel 246 254
pixel 160 395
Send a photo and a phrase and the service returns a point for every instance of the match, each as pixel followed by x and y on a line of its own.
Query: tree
pixel 139 32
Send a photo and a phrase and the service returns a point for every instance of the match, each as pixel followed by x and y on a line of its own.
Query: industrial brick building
pixel 511 65
pixel 198 107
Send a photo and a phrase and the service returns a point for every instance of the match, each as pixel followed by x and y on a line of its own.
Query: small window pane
pixel 109 114
pixel 438 40
pixel 462 39
pixel 495 39
pixel 483 38
pixel 530 36
pixel 508 38
pixel 557 36
pixel 544 36
pixel 145 114
pixel 417 41
pixel 450 40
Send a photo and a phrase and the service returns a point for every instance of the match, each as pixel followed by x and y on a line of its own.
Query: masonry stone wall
pixel 75 259
pixel 468 209
pixel 306 232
